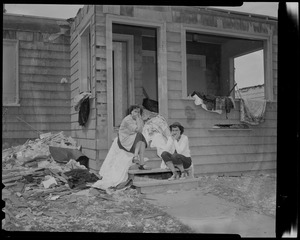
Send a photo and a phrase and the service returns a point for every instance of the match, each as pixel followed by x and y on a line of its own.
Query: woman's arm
pixel 140 124
pixel 181 145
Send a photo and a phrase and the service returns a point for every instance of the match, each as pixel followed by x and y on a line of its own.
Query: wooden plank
pixel 175 75
pixel 208 124
pixel 24 35
pixel 87 143
pixel 227 149
pixel 173 47
pixel 45 102
pixel 227 140
pixel 91 154
pixel 74 60
pixel 29 110
pixel 91 123
pixel 75 68
pixel 264 132
pixel 44 95
pixel 173 37
pixel 59 90
pixel 233 158
pixel 12 119
pixel 201 113
pixel 64 72
pixel 44 54
pixel 182 103
pixel 149 14
pixel 174 56
pixel 173 65
pixel 92 115
pixel 44 46
pixel 40 126
pixel 234 167
pixel 37 78
pixel 57 63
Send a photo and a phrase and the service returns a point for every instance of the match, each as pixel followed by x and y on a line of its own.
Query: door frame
pixel 161 64
pixel 129 40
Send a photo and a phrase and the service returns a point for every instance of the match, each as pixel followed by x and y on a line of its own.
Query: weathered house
pixel 34 99
pixel 121 54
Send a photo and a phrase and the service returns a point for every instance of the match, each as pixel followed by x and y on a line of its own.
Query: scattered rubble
pixel 42 194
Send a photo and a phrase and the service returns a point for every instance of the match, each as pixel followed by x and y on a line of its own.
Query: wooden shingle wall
pixel 212 150
pixel 44 100
pixel 85 135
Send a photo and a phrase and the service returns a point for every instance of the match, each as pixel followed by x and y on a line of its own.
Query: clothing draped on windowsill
pixel 252 111
pixel 213 103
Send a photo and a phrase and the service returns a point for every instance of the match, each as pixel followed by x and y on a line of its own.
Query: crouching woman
pixel 177 152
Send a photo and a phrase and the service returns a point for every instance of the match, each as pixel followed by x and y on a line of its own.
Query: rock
pixel 49 183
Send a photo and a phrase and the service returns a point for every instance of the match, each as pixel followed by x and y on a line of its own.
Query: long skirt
pixel 139 137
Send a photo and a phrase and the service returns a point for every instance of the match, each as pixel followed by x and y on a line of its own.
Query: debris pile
pixel 29 172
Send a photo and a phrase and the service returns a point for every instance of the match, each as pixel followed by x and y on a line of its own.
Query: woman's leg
pixel 167 157
pixel 137 149
pixel 142 146
pixel 177 159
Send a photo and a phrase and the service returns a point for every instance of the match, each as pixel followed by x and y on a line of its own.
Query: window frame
pixel 267 53
pixel 17 102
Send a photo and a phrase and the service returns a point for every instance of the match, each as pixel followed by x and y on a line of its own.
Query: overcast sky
pixel 244 73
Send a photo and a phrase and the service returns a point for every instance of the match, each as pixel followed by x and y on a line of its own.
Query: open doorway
pixel 135 68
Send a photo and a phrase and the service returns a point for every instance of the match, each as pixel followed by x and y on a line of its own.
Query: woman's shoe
pixel 174 176
pixel 135 159
pixel 143 167
pixel 183 176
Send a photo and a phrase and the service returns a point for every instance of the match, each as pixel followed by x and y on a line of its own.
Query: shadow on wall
pixel 190 114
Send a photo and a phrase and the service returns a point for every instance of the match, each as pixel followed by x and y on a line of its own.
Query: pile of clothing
pixel 213 103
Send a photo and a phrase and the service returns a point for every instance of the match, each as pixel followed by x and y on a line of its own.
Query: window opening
pixel 222 64
pixel 249 75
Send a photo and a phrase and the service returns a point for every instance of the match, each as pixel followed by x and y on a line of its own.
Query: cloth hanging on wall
pixel 78 99
pixel 84 112
pixel 252 111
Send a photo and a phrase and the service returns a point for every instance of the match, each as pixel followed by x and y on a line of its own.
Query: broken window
pixel 85 60
pixel 211 61
pixel 10 81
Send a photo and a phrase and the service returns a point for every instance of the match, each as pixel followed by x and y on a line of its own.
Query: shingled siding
pixel 212 150
pixel 44 100
pixel 84 135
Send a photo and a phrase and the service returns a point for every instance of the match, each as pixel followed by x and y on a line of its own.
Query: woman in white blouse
pixel 130 137
pixel 177 152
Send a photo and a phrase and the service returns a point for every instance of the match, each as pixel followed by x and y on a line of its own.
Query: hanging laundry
pixel 78 99
pixel 84 112
pixel 252 111
pixel 225 103
pixel 206 103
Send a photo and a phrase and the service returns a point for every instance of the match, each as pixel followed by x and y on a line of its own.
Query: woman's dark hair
pixel 132 107
pixel 177 124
